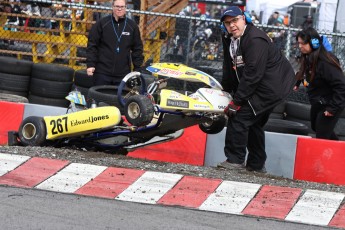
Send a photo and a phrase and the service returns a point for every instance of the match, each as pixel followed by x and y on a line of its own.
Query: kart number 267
pixel 59 125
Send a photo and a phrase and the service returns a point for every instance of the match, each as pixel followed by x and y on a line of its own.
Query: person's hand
pixel 328 114
pixel 231 109
pixel 295 88
pixel 90 71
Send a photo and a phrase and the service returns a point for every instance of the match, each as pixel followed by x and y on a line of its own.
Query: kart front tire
pixel 213 126
pixel 32 131
pixel 139 110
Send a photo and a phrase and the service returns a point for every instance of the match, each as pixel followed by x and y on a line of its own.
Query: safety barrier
pixel 290 156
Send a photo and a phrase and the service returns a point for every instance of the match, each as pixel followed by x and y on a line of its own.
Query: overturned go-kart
pixel 152 113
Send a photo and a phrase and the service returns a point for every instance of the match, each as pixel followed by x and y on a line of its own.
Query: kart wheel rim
pixel 133 110
pixel 29 131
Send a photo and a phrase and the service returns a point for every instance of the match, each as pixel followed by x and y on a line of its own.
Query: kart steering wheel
pixel 132 84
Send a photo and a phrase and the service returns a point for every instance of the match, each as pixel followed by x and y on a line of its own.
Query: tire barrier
pixel 294 118
pixel 50 84
pixel 13 98
pixel 15 76
pixel 14 66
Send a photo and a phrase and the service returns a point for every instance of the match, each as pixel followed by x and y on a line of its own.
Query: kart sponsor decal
pixel 84 121
pixel 199 106
pixel 91 119
pixel 190 73
pixel 170 72
pixel 61 125
pixel 221 106
pixel 178 103
pixel 153 69
pixel 216 92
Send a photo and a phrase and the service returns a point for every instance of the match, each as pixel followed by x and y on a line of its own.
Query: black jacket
pixel 327 87
pixel 266 77
pixel 103 42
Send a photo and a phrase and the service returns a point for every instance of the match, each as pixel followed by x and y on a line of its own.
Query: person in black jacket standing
pixel 259 77
pixel 114 44
pixel 321 73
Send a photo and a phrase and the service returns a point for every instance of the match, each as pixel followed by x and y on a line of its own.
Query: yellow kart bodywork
pixel 183 72
pixel 173 100
pixel 82 122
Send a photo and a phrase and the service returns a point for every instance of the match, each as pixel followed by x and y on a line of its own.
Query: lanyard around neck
pixel 234 48
pixel 118 37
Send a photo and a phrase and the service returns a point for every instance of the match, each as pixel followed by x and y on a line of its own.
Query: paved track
pixel 282 203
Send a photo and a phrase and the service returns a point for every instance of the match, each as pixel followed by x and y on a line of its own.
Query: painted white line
pixel 8 162
pixel 150 187
pixel 230 197
pixel 316 207
pixel 71 178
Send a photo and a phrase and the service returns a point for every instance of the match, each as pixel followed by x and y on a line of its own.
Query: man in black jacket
pixel 114 43
pixel 259 77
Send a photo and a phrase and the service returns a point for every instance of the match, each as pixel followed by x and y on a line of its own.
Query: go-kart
pixel 153 113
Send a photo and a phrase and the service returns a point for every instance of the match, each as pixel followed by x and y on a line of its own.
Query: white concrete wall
pixel 280 149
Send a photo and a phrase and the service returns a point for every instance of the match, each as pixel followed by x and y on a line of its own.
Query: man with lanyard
pixel 114 44
pixel 259 77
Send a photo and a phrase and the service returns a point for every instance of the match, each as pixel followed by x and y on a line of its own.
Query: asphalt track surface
pixel 37 209
pixel 293 205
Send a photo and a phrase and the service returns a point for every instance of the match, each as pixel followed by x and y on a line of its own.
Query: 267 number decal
pixel 59 125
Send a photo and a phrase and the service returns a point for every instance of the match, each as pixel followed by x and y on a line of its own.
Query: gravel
pixel 117 160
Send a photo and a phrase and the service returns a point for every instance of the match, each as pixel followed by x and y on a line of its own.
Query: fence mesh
pixel 56 32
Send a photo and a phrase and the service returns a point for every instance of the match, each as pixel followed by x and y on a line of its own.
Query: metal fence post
pixel 188 40
pixel 288 43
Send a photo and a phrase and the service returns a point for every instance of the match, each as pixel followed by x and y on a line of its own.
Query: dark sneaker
pixel 232 166
pixel 250 169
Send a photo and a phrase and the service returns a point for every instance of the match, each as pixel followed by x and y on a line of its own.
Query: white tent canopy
pixel 267 7
pixel 327 15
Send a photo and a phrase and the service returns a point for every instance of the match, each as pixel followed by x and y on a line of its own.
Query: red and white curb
pixel 290 204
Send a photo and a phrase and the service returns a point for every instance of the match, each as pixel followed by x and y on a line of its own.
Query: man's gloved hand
pixel 231 109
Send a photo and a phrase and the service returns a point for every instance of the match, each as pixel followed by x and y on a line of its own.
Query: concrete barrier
pixel 290 156
pixel 320 161
pixel 280 149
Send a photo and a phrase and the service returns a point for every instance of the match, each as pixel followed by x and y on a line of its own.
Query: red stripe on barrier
pixel 11 115
pixel 320 160
pixel 110 183
pixel 33 172
pixel 273 202
pixel 187 149
pixel 339 219
pixel 190 192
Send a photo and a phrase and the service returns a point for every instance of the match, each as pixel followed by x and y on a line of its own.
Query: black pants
pixel 102 79
pixel 322 125
pixel 245 131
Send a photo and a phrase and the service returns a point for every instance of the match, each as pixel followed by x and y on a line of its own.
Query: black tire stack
pixel 15 76
pixel 50 84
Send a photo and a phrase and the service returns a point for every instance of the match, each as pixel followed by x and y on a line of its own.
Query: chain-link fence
pixel 56 32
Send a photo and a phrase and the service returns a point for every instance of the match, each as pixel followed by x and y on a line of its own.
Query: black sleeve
pixel 336 81
pixel 227 82
pixel 92 44
pixel 137 50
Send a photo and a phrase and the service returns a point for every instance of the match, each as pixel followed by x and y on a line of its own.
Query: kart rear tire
pixel 139 110
pixel 214 126
pixel 32 131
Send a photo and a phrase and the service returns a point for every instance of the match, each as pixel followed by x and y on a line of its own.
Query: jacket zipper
pixel 235 63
